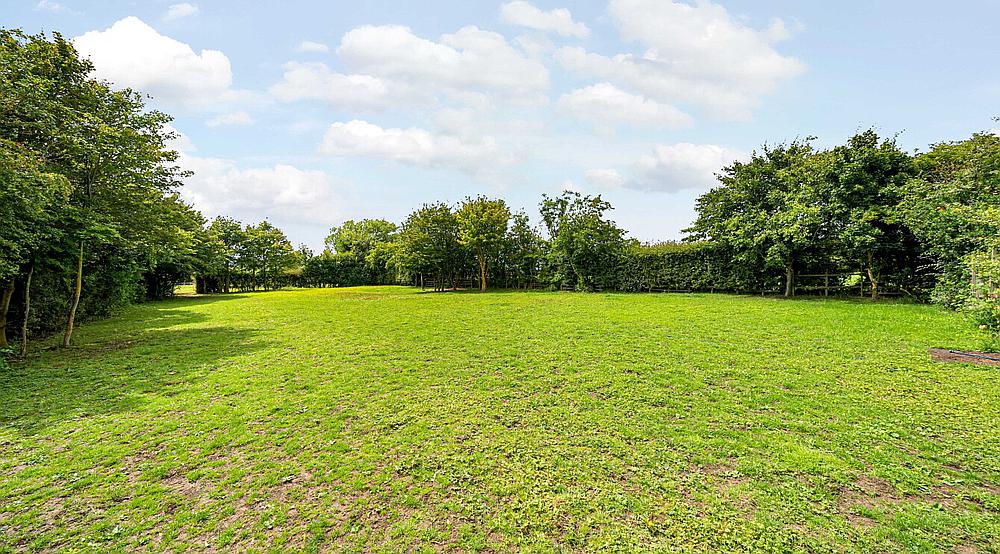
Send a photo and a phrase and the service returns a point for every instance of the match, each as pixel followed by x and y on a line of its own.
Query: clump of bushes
pixel 982 303
pixel 985 313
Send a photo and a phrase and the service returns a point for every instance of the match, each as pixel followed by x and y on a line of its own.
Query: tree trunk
pixel 993 257
pixel 482 273
pixel 871 277
pixel 8 292
pixel 78 287
pixel 790 279
pixel 26 310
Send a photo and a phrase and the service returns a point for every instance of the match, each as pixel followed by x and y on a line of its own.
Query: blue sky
pixel 310 113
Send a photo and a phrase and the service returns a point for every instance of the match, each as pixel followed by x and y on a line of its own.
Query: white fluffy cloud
pixel 233 118
pixel 681 166
pixel 605 178
pixel 413 146
pixel 55 7
pixel 559 21
pixel 222 187
pixel 390 66
pixel 315 81
pixel 132 54
pixel 181 142
pixel 693 53
pixel 535 45
pixel 177 11
pixel 656 81
pixel 469 61
pixel 310 46
pixel 704 42
pixel 607 104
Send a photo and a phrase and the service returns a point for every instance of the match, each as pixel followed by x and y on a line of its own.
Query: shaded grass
pixel 385 419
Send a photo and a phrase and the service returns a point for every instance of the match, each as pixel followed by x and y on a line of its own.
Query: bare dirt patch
pixel 969 357
pixel 871 494
pixel 180 484
pixel 867 493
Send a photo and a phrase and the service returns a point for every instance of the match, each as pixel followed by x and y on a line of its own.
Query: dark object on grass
pixel 982 358
pixel 974 355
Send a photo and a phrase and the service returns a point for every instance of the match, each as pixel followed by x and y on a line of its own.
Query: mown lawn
pixel 385 419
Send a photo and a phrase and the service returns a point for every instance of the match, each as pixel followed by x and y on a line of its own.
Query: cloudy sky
pixel 310 113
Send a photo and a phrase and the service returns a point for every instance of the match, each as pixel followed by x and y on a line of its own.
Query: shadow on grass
pixel 194 299
pixel 119 370
pixel 721 294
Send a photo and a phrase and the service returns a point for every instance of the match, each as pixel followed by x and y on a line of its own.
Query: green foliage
pixel 228 256
pixel 863 185
pixel 981 302
pixel 363 241
pixel 953 208
pixel 360 237
pixel 800 210
pixel 482 227
pixel 428 244
pixel 586 249
pixel 88 182
pixel 766 211
pixel 266 254
pixel 337 270
pixel 30 200
pixel 693 266
pixel 521 255
pixel 985 314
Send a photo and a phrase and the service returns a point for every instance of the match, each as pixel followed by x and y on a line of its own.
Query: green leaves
pixel 360 237
pixel 586 248
pixel 29 201
pixel 85 164
pixel 793 207
pixel 429 243
pixel 482 223
pixel 482 227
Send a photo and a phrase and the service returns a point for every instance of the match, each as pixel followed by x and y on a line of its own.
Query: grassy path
pixel 386 419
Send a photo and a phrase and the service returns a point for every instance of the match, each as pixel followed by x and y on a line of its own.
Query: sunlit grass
pixel 387 419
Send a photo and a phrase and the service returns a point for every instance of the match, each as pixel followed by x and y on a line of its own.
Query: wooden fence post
pixel 993 259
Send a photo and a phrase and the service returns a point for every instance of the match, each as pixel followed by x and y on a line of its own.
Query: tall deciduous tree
pixel 228 233
pixel 105 142
pixel 428 243
pixel 522 251
pixel 861 187
pixel 359 244
pixel 30 202
pixel 766 210
pixel 266 253
pixel 360 237
pixel 482 227
pixel 585 247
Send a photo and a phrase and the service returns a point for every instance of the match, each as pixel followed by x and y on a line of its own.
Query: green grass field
pixel 385 419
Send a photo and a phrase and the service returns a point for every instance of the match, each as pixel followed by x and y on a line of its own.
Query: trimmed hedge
pixel 695 267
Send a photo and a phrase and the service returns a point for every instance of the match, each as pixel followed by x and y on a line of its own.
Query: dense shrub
pixel 111 282
pixel 339 270
pixel 695 266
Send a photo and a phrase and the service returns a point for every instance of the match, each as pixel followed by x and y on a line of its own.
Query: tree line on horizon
pixel 91 221
pixel 864 216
